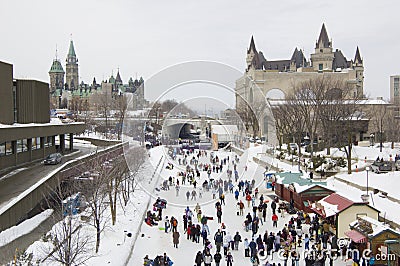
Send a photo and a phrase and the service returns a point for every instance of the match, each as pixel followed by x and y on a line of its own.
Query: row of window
pixel 6 148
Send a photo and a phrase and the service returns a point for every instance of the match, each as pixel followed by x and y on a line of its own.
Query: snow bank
pixel 27 226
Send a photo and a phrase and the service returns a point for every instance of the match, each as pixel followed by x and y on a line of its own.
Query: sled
pixel 161 228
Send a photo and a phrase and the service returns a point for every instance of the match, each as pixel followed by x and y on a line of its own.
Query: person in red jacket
pixel 248 198
pixel 274 220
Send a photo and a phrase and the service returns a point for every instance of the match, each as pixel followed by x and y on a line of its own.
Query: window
pixel 48 141
pixel 396 86
pixel 36 143
pixel 9 148
pixel 15 104
pixel 361 215
pixel 22 145
pixel 320 66
pixel 2 149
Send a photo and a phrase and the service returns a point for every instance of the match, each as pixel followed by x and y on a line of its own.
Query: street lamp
pixel 299 158
pixel 367 169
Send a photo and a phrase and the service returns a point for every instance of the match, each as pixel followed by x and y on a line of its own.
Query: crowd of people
pixel 221 245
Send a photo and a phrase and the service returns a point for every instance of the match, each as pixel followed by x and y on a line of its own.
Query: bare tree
pixel 121 104
pixel 70 245
pixel 351 122
pixel 378 115
pixel 325 106
pixel 135 158
pixel 250 114
pixel 103 101
pixel 118 170
pixel 331 112
pixel 309 96
pixel 392 126
pixel 94 186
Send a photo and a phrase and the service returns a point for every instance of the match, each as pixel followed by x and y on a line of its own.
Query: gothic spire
pixel 71 52
pixel 118 78
pixel 323 38
pixel 252 46
pixel 357 58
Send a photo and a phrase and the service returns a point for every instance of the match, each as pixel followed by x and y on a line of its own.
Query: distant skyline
pixel 143 38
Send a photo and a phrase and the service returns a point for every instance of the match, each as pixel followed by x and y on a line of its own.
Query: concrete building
pixel 265 79
pixel 394 94
pixel 394 89
pixel 26 132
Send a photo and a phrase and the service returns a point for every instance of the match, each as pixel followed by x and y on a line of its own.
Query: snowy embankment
pixel 27 226
pixel 116 240
pixel 367 153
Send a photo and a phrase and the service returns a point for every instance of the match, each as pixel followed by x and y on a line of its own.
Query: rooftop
pixel 371 227
pixel 299 181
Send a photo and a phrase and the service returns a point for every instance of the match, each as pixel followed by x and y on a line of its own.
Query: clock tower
pixel 71 69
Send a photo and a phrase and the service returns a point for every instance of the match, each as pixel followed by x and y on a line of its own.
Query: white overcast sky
pixel 145 37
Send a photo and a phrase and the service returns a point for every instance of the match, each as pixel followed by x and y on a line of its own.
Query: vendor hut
pixel 294 187
pixel 339 211
pixel 383 241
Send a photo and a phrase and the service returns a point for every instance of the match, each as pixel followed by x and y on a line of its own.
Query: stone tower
pixel 322 58
pixel 56 74
pixel 252 55
pixel 359 68
pixel 72 73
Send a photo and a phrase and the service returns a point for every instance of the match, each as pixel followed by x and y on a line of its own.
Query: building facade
pixel 56 74
pixel 26 131
pixel 394 93
pixel 81 96
pixel 264 79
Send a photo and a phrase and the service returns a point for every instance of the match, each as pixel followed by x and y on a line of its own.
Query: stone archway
pixel 275 94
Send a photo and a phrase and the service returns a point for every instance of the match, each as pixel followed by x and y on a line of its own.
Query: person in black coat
pixel 217 258
pixel 270 243
pixel 273 206
pixel 199 258
pixel 253 248
pixel 237 238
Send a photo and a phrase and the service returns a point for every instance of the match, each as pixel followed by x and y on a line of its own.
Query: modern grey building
pixel 26 132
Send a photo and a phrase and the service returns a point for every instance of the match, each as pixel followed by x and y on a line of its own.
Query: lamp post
pixel 299 158
pixel 367 169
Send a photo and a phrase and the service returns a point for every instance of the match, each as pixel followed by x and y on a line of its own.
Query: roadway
pixel 17 180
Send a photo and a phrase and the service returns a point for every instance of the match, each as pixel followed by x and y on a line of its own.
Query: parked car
pixel 381 166
pixel 293 146
pixel 397 165
pixel 54 158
